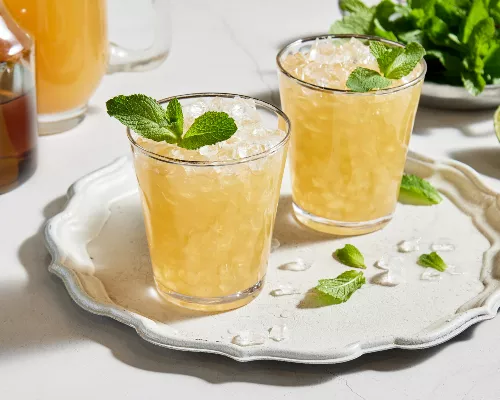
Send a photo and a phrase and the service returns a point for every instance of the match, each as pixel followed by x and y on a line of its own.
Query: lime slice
pixel 496 122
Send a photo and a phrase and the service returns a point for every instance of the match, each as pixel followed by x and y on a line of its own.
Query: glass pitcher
pixel 73 52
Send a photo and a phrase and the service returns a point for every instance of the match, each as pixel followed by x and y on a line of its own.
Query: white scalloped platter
pixel 99 250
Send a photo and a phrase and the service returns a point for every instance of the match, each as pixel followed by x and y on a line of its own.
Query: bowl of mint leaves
pixel 461 39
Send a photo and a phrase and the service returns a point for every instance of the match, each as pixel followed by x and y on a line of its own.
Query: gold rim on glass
pixel 261 103
pixel 379 92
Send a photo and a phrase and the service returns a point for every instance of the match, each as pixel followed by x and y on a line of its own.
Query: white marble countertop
pixel 51 349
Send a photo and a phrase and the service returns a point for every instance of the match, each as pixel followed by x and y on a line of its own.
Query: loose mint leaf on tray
pixel 417 191
pixel 364 79
pixel 209 128
pixel 340 289
pixel 349 255
pixel 143 115
pixel 432 260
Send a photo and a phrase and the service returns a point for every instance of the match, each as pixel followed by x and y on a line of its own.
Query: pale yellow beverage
pixel 71 45
pixel 209 213
pixel 348 150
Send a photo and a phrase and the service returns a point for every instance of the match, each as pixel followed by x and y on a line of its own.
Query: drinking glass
pixel 209 223
pixel 348 149
pixel 72 49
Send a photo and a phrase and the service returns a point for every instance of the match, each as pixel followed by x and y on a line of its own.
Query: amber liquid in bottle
pixel 18 126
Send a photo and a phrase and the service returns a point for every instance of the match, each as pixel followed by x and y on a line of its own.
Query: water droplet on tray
pixel 408 246
pixel 430 275
pixel 248 338
pixel 275 244
pixel 279 333
pixel 284 290
pixel 454 270
pixel 298 265
pixel 442 246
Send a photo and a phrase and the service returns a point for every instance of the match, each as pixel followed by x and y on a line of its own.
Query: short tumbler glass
pixel 348 149
pixel 209 224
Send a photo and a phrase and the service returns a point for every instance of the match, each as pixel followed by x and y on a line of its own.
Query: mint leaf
pixel 341 288
pixel 364 79
pixel 411 36
pixel 349 255
pixel 479 39
pixel 353 23
pixel 477 12
pixel 432 260
pixel 380 31
pixel 353 6
pixel 450 62
pixel 417 191
pixel 175 117
pixel 209 128
pixel 492 63
pixel 474 82
pixel 385 55
pixel 143 115
pixel 405 62
pixel 396 62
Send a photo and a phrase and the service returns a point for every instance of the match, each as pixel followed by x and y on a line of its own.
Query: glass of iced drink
pixel 348 149
pixel 209 213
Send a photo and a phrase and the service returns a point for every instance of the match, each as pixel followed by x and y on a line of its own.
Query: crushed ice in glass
pixel 430 274
pixel 251 138
pixel 408 246
pixel 328 63
pixel 279 333
pixel 284 290
pixel 248 338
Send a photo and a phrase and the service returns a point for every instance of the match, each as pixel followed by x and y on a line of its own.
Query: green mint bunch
pixel 146 117
pixel 393 62
pixel 461 37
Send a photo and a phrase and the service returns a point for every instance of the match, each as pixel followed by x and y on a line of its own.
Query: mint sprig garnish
pixel 349 255
pixel 146 117
pixel 393 62
pixel 432 260
pixel 417 191
pixel 143 115
pixel 340 289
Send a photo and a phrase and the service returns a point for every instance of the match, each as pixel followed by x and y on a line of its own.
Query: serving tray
pixel 99 251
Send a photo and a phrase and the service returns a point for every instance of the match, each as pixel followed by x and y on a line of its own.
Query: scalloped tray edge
pixel 149 331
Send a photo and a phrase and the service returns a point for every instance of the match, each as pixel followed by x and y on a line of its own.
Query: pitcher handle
pixel 124 59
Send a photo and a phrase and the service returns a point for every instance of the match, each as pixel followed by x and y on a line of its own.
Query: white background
pixel 50 349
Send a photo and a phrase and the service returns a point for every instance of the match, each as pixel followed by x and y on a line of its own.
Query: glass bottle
pixel 18 123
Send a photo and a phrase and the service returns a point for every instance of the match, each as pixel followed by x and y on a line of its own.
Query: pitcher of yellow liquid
pixel 72 51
